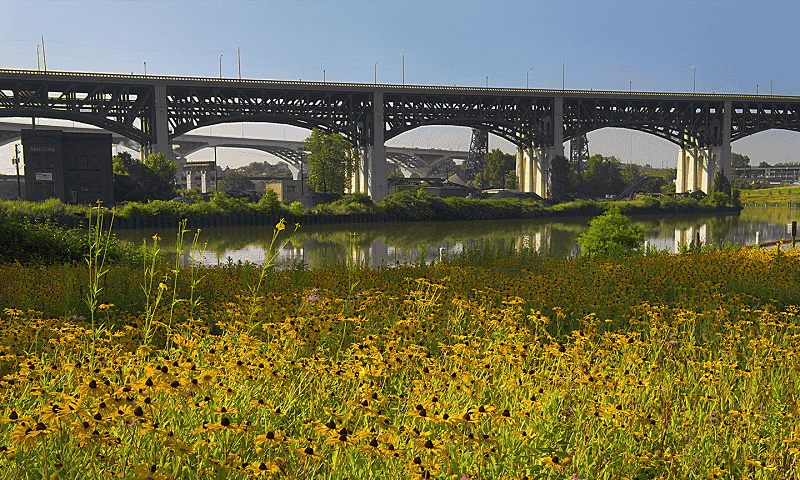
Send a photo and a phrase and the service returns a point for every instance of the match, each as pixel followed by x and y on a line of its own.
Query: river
pixel 391 243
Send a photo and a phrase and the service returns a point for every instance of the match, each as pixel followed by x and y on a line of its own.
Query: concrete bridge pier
pixel 160 127
pixel 698 166
pixel 533 163
pixel 533 169
pixel 378 179
pixel 371 175
pixel 358 182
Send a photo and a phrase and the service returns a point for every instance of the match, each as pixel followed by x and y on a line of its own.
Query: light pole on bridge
pixel 376 73
pixel 220 66
pixel 526 77
pixel 404 68
pixel 770 85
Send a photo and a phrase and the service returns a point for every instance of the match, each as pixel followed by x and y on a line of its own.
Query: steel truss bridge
pixel 155 111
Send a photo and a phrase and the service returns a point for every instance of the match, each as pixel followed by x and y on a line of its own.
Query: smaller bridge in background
pixel 410 159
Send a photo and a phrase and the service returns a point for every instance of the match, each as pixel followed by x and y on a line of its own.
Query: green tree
pixel 631 173
pixel 235 182
pixel 739 161
pixel 721 184
pixel 560 169
pixel 135 180
pixel 611 234
pixel 602 175
pixel 331 162
pixel 512 182
pixel 164 169
pixel 496 166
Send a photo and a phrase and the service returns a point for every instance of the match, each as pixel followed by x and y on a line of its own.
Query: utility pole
pixel 15 161
pixel 44 57
pixel 215 168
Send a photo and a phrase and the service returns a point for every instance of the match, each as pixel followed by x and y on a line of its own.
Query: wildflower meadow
pixel 492 365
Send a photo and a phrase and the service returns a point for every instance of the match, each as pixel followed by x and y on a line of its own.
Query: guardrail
pixel 372 86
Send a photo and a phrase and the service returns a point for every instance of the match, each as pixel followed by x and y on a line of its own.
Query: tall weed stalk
pixel 269 261
pixel 96 263
pixel 152 296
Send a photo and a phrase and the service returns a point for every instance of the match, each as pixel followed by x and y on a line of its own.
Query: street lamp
pixel 562 76
pixel 404 68
pixel 770 85
pixel 526 76
pixel 694 80
pixel 220 66
pixel 145 69
pixel 376 73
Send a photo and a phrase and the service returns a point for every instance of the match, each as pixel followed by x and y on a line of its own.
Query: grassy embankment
pixel 771 196
pixel 403 206
pixel 487 366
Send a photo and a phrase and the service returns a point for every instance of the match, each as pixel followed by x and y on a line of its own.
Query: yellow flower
pixel 281 225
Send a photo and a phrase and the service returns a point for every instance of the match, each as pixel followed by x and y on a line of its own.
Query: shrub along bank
pixel 222 210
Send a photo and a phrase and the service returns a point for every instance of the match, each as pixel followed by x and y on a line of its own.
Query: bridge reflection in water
pixel 412 243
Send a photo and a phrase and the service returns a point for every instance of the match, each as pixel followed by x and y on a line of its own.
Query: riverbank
pixel 402 207
pixel 480 367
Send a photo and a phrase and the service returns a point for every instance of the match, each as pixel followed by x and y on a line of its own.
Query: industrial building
pixel 73 167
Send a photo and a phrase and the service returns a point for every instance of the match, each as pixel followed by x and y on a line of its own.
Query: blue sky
pixel 604 45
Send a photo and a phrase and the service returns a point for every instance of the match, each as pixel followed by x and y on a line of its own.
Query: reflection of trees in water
pixel 402 242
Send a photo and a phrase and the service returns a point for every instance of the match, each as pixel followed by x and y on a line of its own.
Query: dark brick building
pixel 73 167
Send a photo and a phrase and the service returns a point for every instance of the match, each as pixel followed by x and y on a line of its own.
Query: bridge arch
pixel 505 130
pixel 127 131
pixel 308 123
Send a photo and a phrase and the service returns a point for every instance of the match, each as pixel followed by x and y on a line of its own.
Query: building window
pixel 94 163
pixel 83 163
pixel 72 163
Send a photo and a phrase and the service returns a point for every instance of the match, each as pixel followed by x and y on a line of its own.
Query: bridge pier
pixel 533 163
pixel 371 175
pixel 161 127
pixel 697 167
pixel 378 180
pixel 533 169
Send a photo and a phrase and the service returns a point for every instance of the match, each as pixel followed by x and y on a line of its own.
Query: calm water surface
pixel 386 244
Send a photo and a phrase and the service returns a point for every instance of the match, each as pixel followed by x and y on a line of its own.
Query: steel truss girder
pixel 683 122
pixel 753 117
pixel 520 120
pixel 347 113
pixel 111 106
